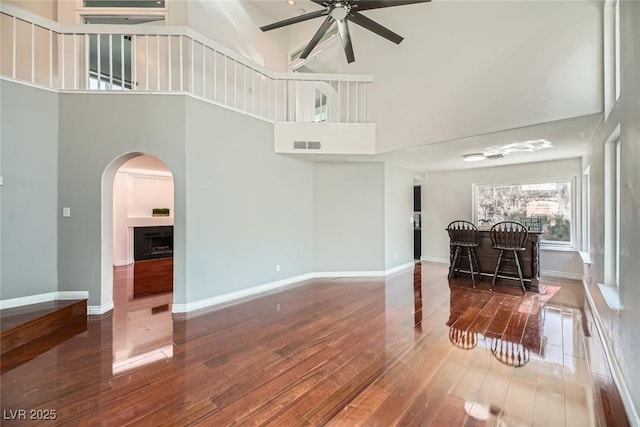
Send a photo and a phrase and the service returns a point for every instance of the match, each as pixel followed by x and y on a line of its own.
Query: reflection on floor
pixel 142 325
pixel 411 349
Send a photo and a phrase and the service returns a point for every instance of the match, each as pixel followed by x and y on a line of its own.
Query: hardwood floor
pixel 412 349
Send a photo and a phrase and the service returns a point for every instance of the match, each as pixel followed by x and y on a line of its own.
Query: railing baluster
pixel 191 89
pixel 204 72
pixel 244 88
pixel 226 82
pixel 75 61
pixel 158 62
pixel 181 65
pixel 87 49
pixel 146 62
pixel 169 63
pixel 110 61
pixel 122 73
pixel 99 55
pixel 33 53
pixel 357 102
pixel 215 76
pixel 62 64
pixel 13 53
pixel 134 62
pixel 50 58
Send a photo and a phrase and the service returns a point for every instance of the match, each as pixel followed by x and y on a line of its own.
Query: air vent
pixel 495 156
pixel 307 145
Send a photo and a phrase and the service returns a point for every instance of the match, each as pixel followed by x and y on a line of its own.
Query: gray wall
pixel 348 213
pixel 249 209
pixel 94 130
pixel 447 196
pixel 398 229
pixel 621 328
pixel 29 199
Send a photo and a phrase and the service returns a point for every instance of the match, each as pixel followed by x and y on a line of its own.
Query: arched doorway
pixel 138 207
pixel 147 184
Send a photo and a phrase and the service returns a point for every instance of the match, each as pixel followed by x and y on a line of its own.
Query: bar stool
pixel 463 234
pixel 512 237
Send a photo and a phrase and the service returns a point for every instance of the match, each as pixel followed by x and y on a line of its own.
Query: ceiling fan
pixel 341 11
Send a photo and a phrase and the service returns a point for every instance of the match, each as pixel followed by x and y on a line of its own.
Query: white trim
pixel 558 247
pixel 220 299
pixel 400 268
pixel 561 274
pixel 296 280
pixel 611 296
pixel 100 309
pixel 36 299
pixel 618 377
pixel 362 273
pixel 434 259
pixel 586 257
pixel 122 263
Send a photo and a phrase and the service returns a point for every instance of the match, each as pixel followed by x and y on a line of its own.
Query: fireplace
pixel 152 242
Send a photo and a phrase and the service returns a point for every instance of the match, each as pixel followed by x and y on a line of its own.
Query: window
pixel 612 213
pixel 611 57
pixel 548 204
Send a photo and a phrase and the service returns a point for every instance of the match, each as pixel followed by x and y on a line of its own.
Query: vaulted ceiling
pixel 470 75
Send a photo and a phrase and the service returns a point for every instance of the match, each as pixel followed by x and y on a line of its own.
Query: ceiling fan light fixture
pixel 473 157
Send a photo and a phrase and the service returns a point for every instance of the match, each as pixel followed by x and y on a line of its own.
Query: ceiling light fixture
pixel 291 2
pixel 473 157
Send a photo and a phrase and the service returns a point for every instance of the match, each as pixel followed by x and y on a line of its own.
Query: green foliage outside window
pixel 549 203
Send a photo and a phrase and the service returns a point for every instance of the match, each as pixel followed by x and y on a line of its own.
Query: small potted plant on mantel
pixel 160 212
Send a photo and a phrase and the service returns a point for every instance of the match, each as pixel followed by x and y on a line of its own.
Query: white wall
pixel 29 195
pixel 398 228
pixel 248 209
pixel 473 67
pixel 88 141
pixel 447 196
pixel 620 326
pixel 348 217
pixel 236 25
pixel 135 195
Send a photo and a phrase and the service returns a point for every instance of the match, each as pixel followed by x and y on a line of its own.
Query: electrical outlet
pixel 277 267
pixel 395 256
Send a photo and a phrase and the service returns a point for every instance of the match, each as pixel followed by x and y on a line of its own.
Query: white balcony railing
pixel 169 59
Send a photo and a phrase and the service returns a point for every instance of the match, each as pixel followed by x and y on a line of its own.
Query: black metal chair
pixel 512 237
pixel 463 234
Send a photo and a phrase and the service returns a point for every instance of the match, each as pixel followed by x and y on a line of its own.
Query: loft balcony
pixel 311 113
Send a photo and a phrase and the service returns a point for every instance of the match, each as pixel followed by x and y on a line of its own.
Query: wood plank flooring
pixel 411 349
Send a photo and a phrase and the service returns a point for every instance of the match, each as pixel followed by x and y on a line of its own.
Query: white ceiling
pixel 569 137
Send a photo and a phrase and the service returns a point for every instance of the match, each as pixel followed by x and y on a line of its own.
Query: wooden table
pixel 488 257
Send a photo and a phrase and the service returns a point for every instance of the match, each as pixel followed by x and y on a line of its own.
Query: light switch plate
pixel 66 212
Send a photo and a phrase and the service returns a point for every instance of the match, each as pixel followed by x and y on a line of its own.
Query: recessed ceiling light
pixel 291 2
pixel 473 157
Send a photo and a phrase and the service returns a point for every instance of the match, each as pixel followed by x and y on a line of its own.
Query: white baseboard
pixel 243 293
pixel 122 263
pixel 36 299
pixel 220 299
pixel 100 309
pixel 435 259
pixel 363 273
pixel 618 377
pixel 399 268
pixel 561 274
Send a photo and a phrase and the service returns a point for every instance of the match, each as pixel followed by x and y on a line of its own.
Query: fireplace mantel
pixel 149 221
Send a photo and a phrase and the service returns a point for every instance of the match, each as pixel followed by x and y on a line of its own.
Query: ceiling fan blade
pixel 345 36
pixel 371 25
pixel 316 38
pixel 295 20
pixel 378 4
pixel 323 3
